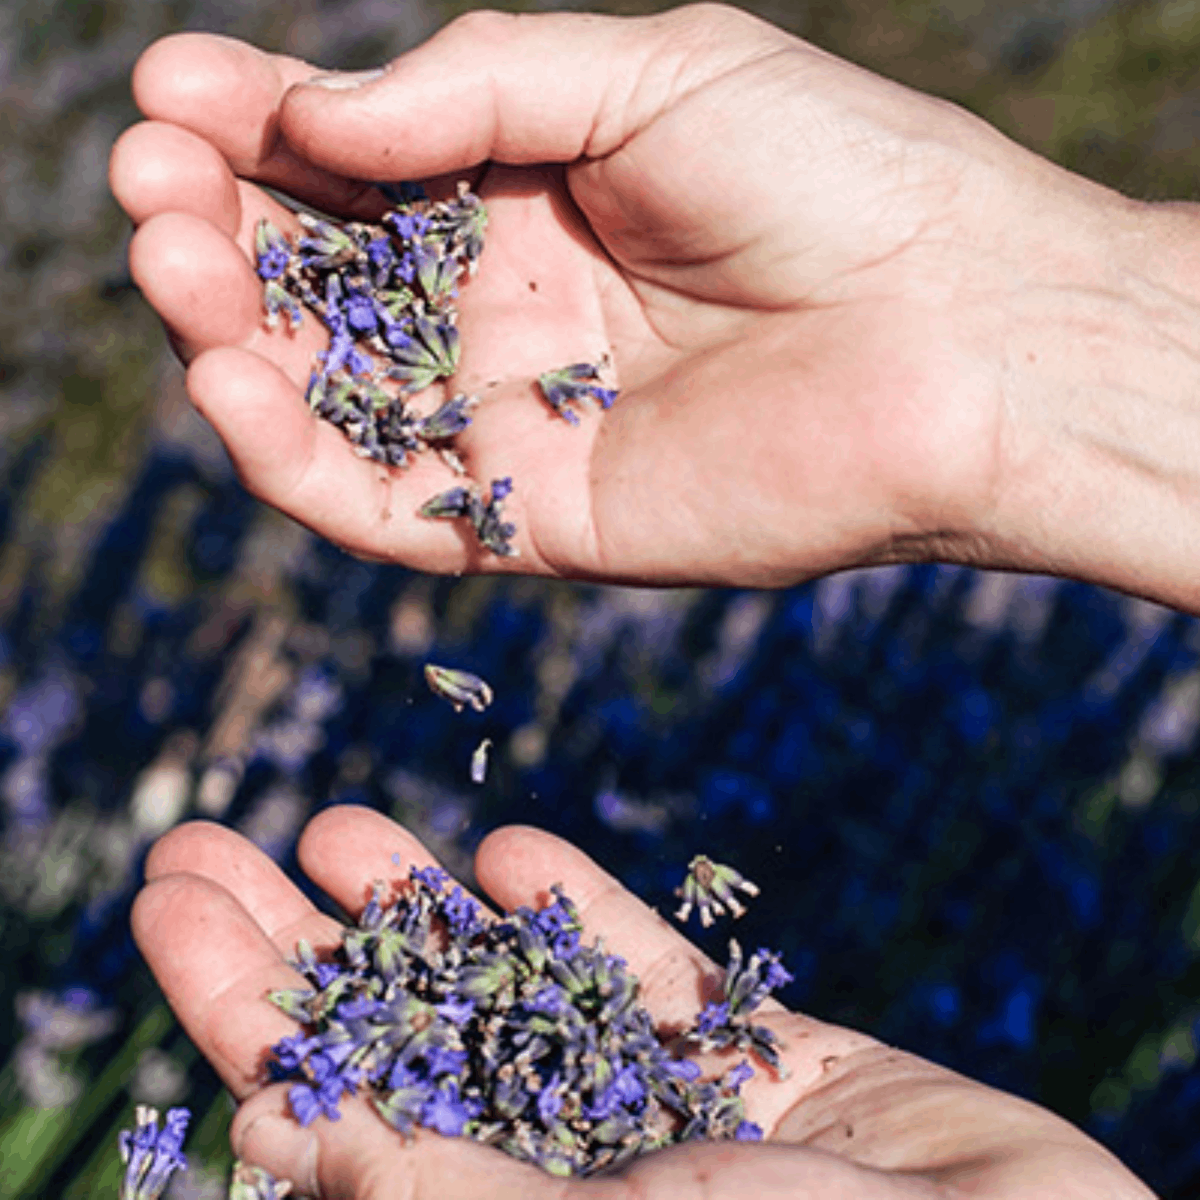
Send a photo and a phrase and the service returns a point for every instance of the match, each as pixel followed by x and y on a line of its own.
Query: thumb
pixel 361 1157
pixel 516 88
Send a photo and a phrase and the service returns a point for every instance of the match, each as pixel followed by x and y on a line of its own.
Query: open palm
pixel 218 920
pixel 771 244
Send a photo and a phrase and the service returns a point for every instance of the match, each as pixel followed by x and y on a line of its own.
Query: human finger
pixel 518 89
pixel 228 92
pixel 302 465
pixel 228 860
pixel 215 965
pixel 155 167
pixel 347 849
pixel 362 1157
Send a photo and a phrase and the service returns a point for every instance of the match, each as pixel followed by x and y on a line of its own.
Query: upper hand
pixel 217 921
pixel 783 253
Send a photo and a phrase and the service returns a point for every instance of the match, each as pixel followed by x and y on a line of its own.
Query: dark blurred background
pixel 972 800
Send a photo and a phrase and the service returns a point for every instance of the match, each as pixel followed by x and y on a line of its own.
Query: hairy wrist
pixel 1098 441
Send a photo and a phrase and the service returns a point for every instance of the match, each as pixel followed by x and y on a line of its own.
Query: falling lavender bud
pixel 479 761
pixel 151 1156
pixel 709 887
pixel 572 384
pixel 459 687
pixel 255 1183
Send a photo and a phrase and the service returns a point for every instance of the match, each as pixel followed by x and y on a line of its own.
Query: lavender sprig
pixel 487 518
pixel 725 1024
pixel 151 1156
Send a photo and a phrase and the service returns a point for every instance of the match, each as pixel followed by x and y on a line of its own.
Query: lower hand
pixel 218 921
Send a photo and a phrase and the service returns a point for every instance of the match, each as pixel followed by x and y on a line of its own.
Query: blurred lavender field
pixel 972 800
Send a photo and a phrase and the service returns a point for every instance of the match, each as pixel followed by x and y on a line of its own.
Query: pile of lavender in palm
pixel 512 1032
pixel 387 294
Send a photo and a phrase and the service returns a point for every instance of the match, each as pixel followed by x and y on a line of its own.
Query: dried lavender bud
pixel 272 253
pixel 451 419
pixel 455 502
pixel 572 384
pixel 511 1032
pixel 490 527
pixel 479 761
pixel 722 1025
pixel 255 1183
pixel 493 532
pixel 709 886
pixel 459 687
pixel 327 245
pixel 151 1156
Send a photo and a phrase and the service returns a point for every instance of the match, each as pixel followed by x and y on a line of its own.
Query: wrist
pixel 1098 443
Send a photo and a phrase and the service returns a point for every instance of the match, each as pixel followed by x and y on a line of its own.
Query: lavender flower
pixel 487 518
pixel 151 1156
pixel 710 886
pixel 459 687
pixel 272 252
pixel 724 1024
pixel 573 384
pixel 450 419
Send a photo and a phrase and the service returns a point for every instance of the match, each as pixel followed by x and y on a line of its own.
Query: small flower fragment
pixel 725 1024
pixel 479 761
pixel 450 419
pixel 459 687
pixel 151 1156
pixel 487 518
pixel 575 383
pixel 255 1183
pixel 709 887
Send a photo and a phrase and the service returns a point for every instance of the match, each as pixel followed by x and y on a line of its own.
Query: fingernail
pixel 344 81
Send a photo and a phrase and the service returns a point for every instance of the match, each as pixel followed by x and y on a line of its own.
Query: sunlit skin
pixel 218 920
pixel 850 323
